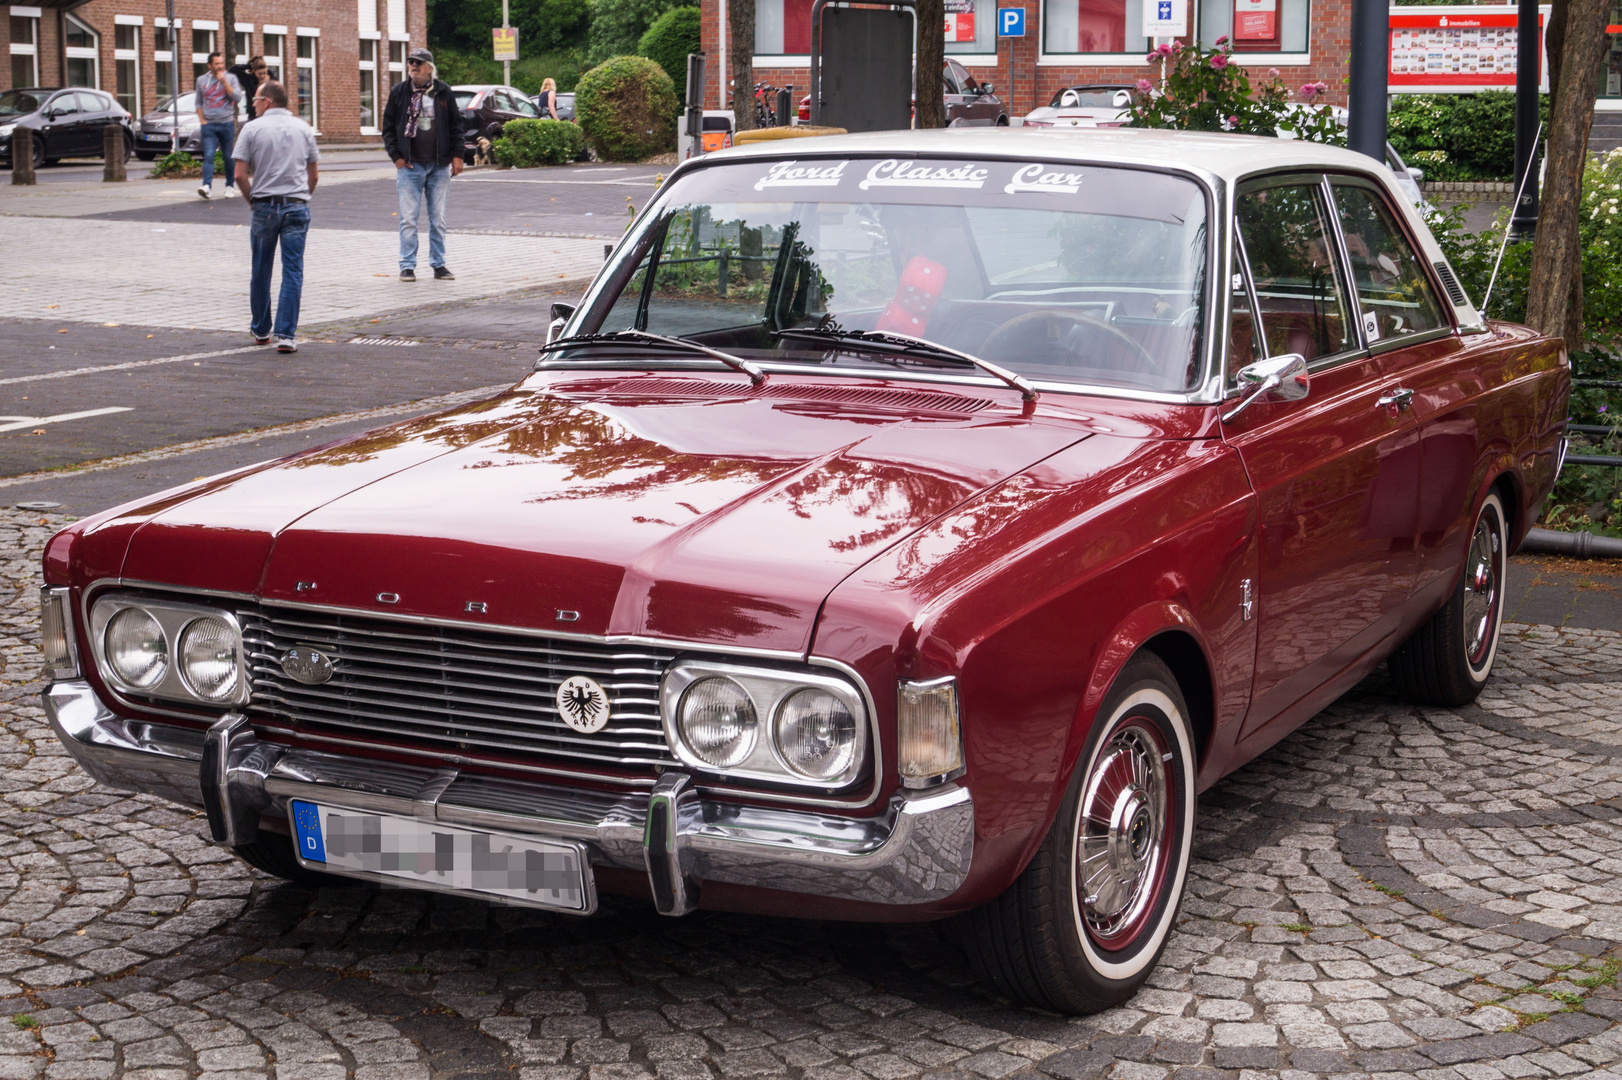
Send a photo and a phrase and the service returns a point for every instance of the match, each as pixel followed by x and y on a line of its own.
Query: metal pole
pixel 1366 103
pixel 174 80
pixel 506 65
pixel 1523 220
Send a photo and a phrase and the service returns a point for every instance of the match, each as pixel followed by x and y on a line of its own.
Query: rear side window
pixel 1299 292
pixel 1393 295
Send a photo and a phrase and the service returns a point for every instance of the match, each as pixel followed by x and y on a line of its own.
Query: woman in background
pixel 547 99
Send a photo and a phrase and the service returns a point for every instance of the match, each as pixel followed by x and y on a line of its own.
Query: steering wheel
pixel 1062 336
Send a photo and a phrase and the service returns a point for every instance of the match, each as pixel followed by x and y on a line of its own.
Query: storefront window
pixel 971 26
pixel 24 51
pixel 1610 72
pixel 306 79
pixel 1262 26
pixel 1093 26
pixel 782 27
pixel 127 58
pixel 83 54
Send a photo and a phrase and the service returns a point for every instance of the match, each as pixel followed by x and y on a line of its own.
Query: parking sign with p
pixel 1010 22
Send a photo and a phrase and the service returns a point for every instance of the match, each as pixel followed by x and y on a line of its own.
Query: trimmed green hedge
pixel 1458 136
pixel 524 144
pixel 627 108
pixel 668 41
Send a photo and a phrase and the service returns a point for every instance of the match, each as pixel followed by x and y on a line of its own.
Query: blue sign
pixel 1011 22
pixel 307 823
pixel 1164 10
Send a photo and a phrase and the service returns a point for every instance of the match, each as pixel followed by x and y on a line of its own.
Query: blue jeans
pixel 289 223
pixel 411 184
pixel 224 135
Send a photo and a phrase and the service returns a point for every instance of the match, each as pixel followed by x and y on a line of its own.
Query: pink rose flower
pixel 1151 58
pixel 1166 49
pixel 1272 73
pixel 1223 40
pixel 1310 90
pixel 1145 86
pixel 1219 61
pixel 1233 121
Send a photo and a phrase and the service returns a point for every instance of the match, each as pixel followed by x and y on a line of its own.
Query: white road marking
pixel 18 423
pixel 132 364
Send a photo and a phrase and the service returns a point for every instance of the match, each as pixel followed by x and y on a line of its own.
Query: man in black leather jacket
pixel 422 132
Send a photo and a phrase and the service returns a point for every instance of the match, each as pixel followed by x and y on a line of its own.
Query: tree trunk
pixel 228 31
pixel 1554 38
pixel 1557 251
pixel 928 91
pixel 741 55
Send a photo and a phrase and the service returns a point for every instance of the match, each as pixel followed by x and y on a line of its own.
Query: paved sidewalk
pixel 1390 893
pixel 170 275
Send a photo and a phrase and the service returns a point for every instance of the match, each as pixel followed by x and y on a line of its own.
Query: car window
pixel 525 107
pixel 1393 295
pixel 464 99
pixel 961 74
pixel 91 103
pixel 17 103
pixel 1299 290
pixel 950 78
pixel 63 104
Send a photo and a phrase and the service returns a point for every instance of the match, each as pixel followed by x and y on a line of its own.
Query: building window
pixel 241 46
pixel 782 27
pixel 971 26
pixel 127 59
pixel 306 79
pixel 273 57
pixel 368 86
pixel 1610 75
pixel 1093 26
pixel 83 54
pixel 397 55
pixel 1264 26
pixel 202 43
pixel 24 50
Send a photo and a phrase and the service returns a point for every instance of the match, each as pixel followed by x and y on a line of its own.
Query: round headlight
pixel 718 721
pixel 136 648
pixel 208 658
pixel 816 734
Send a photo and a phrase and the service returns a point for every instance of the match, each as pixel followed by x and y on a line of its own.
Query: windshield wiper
pixel 756 375
pixel 908 343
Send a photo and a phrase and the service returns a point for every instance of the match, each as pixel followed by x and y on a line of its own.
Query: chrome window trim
pixel 173 616
pixel 684 672
pixel 857 801
pixel 1207 387
pixel 1439 291
pixel 1354 307
pixel 1380 348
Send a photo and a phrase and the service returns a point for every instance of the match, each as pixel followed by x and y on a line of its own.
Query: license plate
pixel 430 855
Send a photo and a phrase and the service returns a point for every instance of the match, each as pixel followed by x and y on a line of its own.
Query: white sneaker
pixel 286 345
pixel 202 189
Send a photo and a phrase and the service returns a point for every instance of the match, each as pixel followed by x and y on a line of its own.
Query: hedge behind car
pixel 524 144
pixel 668 41
pixel 627 108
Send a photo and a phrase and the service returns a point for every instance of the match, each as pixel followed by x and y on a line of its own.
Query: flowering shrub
pixel 1205 90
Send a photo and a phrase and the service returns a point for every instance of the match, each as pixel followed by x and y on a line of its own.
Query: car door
pixel 1420 350
pixel 1335 473
pixel 57 127
pixel 952 91
pixel 93 110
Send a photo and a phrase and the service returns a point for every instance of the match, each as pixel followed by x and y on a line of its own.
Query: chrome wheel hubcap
pixel 1481 590
pixel 1121 841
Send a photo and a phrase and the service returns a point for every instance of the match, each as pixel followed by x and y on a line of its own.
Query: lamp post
pixel 1366 103
pixel 1523 221
pixel 506 65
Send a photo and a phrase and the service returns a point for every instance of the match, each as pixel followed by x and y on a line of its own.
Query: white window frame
pixel 79 52
pixel 242 28
pixel 30 51
pixel 371 65
pixel 275 68
pixel 300 63
pixel 398 67
pixel 132 55
pixel 212 28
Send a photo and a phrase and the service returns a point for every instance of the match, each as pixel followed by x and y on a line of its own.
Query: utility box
pixel 861 66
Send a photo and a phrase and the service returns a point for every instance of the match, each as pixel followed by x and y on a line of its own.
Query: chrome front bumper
pixel 917 851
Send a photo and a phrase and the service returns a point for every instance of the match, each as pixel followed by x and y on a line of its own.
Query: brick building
pixel 313 47
pixel 1066 42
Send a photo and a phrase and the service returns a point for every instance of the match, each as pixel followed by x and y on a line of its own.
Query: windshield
pixel 1064 273
pixel 464 98
pixel 1082 97
pixel 17 103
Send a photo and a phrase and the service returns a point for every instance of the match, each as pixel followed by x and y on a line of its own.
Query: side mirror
pixel 1285 377
pixel 560 316
pixel 1417 175
pixel 988 88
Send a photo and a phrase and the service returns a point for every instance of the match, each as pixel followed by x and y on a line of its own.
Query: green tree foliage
pixel 668 41
pixel 618 25
pixel 1457 136
pixel 543 25
pixel 524 144
pixel 627 108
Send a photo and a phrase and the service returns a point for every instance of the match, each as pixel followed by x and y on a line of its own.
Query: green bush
pixel 182 165
pixel 1475 133
pixel 627 108
pixel 543 25
pixel 524 144
pixel 460 68
pixel 668 41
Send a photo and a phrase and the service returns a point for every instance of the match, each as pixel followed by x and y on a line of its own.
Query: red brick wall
pixel 1023 85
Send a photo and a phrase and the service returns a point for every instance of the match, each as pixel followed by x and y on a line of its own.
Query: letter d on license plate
pixel 429 855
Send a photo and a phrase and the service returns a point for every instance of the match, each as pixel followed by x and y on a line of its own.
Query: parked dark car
pixel 157 129
pixel 486 110
pixel 968 103
pixel 565 106
pixel 65 122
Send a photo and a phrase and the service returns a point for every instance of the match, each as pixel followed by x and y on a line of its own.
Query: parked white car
pixel 1100 105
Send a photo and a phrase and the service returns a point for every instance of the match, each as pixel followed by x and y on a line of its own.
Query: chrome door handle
pixel 1396 401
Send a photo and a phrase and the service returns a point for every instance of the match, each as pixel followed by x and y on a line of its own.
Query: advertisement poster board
pixel 1458 50
pixel 506 42
pixel 1255 21
pixel 1165 18
pixel 959 20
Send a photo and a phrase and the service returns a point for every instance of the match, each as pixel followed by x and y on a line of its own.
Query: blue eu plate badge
pixel 307 823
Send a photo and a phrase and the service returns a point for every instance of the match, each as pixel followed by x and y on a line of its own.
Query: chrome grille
pixel 455 690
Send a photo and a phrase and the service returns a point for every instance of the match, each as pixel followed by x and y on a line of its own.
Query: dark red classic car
pixel 905 525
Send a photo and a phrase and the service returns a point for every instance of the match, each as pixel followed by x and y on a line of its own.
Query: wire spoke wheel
pixel 1482 588
pixel 1121 834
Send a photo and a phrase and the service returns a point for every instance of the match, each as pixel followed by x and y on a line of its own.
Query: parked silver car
pixel 158 128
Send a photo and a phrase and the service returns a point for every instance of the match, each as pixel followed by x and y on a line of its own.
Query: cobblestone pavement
pixel 1391 892
pixel 348 273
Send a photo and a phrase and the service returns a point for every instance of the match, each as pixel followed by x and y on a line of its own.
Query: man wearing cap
pixel 422 132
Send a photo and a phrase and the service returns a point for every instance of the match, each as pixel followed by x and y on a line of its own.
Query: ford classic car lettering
pixel 866 549
pixel 792 174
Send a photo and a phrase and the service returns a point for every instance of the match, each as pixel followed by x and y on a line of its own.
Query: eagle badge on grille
pixel 306 665
pixel 583 704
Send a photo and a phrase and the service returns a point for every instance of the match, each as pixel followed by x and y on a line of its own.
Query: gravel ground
pixel 1390 892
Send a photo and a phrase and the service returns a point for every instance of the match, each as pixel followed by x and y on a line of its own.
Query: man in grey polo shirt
pixel 276 172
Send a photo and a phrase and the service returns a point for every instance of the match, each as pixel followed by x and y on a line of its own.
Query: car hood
pixel 680 508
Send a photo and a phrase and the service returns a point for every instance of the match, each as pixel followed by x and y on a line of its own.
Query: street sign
pixel 506 42
pixel 1165 18
pixel 1011 22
